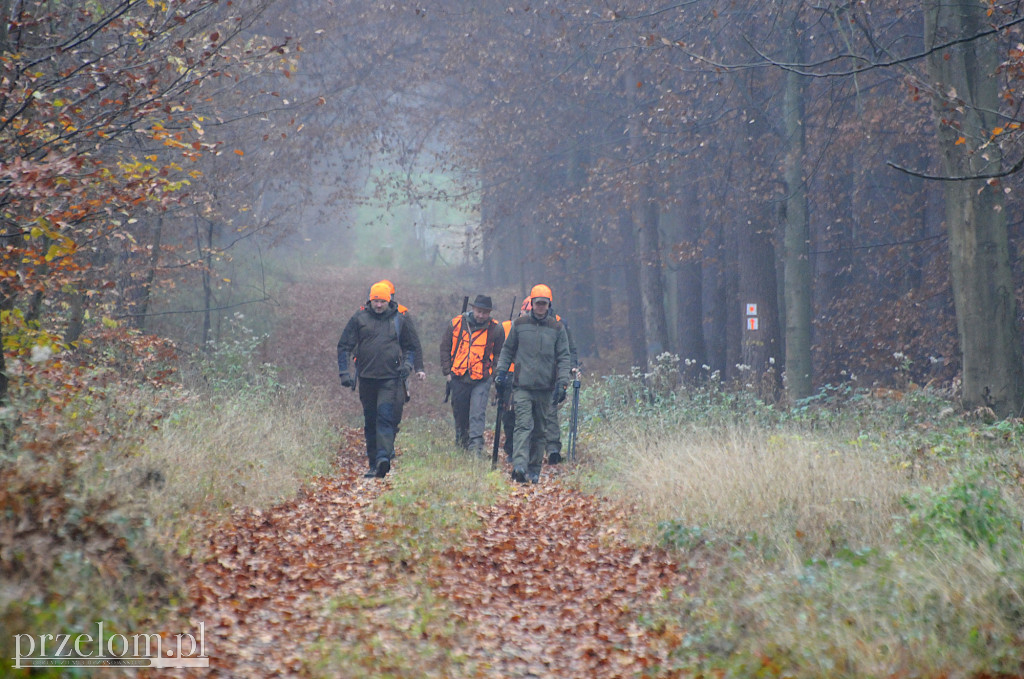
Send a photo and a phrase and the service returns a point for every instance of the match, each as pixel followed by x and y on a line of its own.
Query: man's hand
pixel 501 380
pixel 560 392
pixel 404 371
pixel 347 381
pixel 421 375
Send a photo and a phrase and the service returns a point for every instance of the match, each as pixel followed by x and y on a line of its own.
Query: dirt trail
pixel 547 588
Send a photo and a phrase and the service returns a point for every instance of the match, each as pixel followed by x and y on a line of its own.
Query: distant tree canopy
pixel 769 189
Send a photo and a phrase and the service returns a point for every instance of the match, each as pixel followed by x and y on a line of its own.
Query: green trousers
pixel 532 408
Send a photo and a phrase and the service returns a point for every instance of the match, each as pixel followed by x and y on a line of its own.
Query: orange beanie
pixel 541 290
pixel 380 291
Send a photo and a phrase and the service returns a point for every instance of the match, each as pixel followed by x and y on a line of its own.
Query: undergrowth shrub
pixel 112 456
pixel 857 533
pixel 71 555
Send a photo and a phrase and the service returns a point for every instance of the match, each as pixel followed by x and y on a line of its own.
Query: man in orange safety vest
pixel 470 347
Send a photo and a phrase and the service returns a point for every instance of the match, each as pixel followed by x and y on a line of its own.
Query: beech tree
pixel 963 64
pixel 100 131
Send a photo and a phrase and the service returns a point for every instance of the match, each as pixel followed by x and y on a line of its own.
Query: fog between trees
pixel 847 168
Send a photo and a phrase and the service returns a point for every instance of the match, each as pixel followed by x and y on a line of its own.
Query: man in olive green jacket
pixel 538 345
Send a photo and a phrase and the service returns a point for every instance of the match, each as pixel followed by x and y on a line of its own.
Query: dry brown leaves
pixel 553 589
pixel 548 587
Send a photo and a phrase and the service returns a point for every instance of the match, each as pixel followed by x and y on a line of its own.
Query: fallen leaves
pixel 544 588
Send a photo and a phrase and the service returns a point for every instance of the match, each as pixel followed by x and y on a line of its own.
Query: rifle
pixel 502 404
pixel 458 345
pixel 574 417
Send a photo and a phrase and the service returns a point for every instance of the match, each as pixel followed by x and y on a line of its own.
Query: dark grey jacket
pixel 540 350
pixel 382 344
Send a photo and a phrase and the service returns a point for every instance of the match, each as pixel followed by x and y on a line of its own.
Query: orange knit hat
pixel 380 291
pixel 541 290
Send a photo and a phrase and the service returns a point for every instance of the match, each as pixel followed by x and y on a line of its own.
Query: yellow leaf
pixel 226 280
pixel 997 131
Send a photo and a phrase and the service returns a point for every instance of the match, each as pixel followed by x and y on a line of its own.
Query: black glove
pixel 347 381
pixel 560 394
pixel 404 371
pixel 501 380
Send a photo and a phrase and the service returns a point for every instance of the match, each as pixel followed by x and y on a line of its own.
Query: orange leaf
pixel 240 152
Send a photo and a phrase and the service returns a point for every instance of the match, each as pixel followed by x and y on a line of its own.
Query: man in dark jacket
pixel 539 347
pixel 383 342
pixel 470 347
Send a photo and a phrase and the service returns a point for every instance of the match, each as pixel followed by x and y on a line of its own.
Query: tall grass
pixel 803 494
pixel 103 478
pixel 849 536
pixel 247 449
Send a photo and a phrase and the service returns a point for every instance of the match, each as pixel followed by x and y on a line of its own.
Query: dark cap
pixel 482 302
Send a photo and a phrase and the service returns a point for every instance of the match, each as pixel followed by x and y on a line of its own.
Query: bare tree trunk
pixel 76 319
pixel 652 289
pixel 758 287
pixel 207 283
pixel 717 345
pixel 689 311
pixel 5 17
pixel 6 304
pixel 580 296
pixel 635 318
pixel 983 287
pixel 797 283
pixel 147 287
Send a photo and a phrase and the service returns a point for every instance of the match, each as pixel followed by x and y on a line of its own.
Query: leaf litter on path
pixel 547 587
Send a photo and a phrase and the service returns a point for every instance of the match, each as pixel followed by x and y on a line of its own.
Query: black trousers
pixel 382 409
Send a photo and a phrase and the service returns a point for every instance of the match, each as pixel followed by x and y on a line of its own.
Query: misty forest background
pixel 195 195
pixel 660 166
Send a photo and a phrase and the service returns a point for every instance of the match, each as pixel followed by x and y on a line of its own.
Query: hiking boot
pixel 534 478
pixel 518 476
pixel 383 467
pixel 370 474
pixel 554 458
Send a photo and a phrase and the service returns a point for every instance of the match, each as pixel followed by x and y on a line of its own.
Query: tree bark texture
pixel 797 283
pixel 966 92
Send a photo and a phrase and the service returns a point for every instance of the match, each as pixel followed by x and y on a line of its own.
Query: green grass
pixel 404 630
pixel 850 536
pixel 853 535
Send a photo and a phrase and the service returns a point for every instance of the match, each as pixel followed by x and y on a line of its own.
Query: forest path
pixel 547 587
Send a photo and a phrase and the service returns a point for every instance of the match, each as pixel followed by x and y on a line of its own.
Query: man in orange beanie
pixel 539 347
pixel 383 342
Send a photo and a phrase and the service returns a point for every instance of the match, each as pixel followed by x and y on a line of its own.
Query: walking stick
pixel 574 418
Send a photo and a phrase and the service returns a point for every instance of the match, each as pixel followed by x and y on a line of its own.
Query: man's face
pixel 378 305
pixel 540 307
pixel 481 315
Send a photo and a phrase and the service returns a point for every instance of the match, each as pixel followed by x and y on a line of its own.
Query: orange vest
pixel 468 355
pixel 507 327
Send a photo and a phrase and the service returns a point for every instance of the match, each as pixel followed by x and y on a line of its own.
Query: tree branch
pixel 960 178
